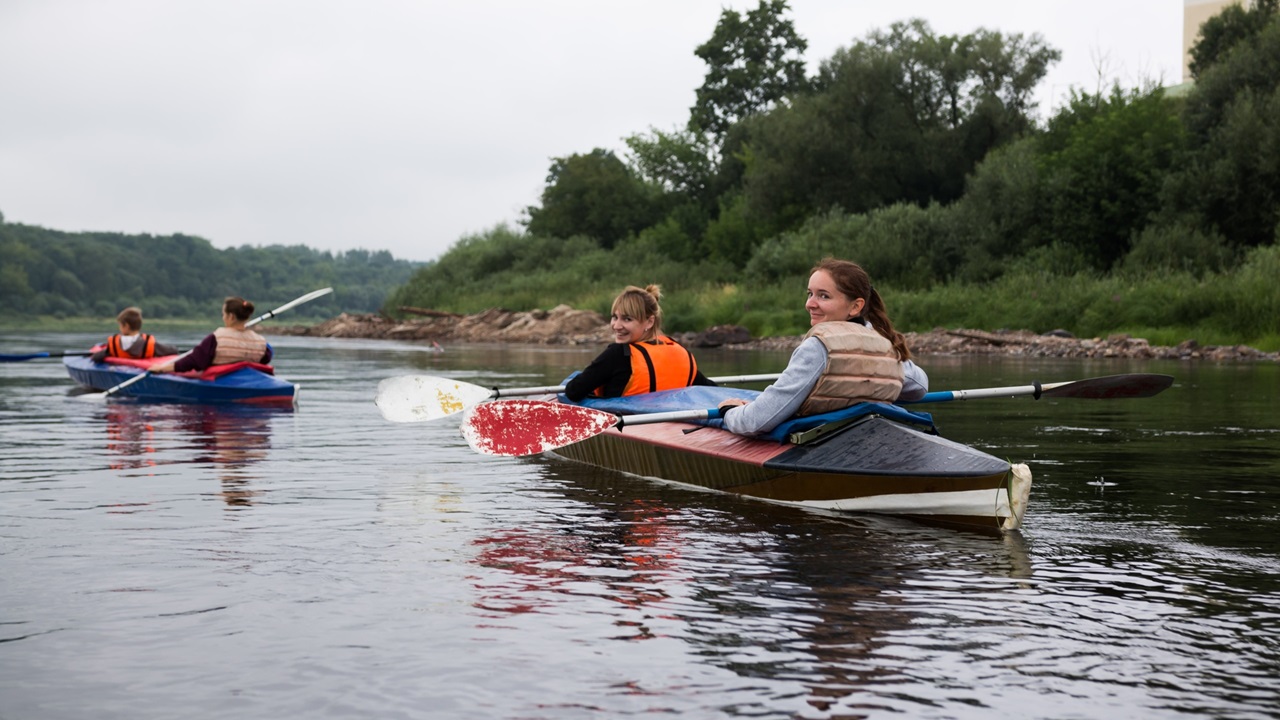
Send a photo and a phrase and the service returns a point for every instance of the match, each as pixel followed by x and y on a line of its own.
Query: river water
pixel 161 561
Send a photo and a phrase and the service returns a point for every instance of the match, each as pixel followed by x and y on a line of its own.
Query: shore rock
pixel 564 325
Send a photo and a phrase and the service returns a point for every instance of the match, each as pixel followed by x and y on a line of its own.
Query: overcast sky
pixel 404 125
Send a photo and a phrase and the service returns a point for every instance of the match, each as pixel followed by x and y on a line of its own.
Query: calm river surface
pixel 163 561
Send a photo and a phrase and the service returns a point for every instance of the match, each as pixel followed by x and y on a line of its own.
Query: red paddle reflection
pixel 621 553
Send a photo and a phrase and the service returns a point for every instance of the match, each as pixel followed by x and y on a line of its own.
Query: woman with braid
pixel 851 354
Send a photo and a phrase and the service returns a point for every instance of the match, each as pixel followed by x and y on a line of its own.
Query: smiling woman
pixel 851 354
pixel 641 359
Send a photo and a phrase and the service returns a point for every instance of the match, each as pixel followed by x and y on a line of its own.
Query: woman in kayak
pixel 851 354
pixel 228 344
pixel 641 359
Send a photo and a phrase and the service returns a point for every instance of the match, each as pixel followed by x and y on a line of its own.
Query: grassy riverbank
pixel 1240 306
pixel 1236 307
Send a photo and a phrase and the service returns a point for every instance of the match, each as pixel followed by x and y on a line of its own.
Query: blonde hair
pixel 642 304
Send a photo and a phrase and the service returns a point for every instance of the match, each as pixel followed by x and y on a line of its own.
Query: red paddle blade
pixel 529 427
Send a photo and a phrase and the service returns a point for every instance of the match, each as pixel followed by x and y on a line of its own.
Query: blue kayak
pixel 239 383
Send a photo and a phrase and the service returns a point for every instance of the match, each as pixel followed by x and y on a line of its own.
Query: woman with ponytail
pixel 641 359
pixel 232 343
pixel 851 354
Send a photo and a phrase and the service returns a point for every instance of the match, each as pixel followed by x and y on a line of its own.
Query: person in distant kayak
pixel 131 342
pixel 851 354
pixel 231 343
pixel 641 359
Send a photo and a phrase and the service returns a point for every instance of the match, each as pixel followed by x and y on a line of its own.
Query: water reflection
pixel 229 438
pixel 624 548
pixel 769 593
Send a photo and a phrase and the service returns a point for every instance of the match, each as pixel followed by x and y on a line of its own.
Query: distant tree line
pixel 51 273
pixel 913 153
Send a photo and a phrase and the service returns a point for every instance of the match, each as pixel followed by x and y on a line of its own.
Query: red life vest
pixel 662 364
pixel 115 348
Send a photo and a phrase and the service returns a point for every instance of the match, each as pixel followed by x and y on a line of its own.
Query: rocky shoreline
pixel 564 325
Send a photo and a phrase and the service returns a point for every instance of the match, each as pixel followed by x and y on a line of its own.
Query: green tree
pixel 1229 180
pixel 901 116
pixel 753 63
pixel 679 162
pixel 1105 162
pixel 1220 33
pixel 595 195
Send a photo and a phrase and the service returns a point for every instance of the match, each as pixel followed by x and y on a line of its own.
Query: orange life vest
pixel 115 347
pixel 661 364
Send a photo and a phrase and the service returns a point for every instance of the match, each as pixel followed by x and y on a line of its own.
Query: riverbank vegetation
pixel 1141 210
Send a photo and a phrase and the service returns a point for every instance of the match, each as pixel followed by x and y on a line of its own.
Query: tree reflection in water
pixel 229 438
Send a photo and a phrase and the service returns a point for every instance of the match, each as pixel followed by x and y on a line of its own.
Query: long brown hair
pixel 642 304
pixel 854 282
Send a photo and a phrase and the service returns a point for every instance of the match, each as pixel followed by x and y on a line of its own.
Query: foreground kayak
pixel 872 458
pixel 238 383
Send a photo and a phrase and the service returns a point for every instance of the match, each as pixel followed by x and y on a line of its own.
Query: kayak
pixel 243 382
pixel 871 458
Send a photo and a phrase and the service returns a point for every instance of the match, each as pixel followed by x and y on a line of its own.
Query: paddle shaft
pixel 553 389
pixel 305 298
pixel 1109 387
pixel 40 355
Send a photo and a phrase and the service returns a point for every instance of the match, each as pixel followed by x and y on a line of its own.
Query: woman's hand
pixel 731 403
pixel 161 368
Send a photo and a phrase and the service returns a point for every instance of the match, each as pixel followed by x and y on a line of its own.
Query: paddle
pixel 415 398
pixel 39 355
pixel 1108 387
pixel 528 427
pixel 102 396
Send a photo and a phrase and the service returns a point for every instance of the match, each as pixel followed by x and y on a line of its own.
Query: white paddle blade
pixel 416 398
pixel 528 427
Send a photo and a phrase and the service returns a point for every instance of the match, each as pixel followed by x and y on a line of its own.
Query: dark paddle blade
pixel 40 355
pixel 529 427
pixel 1110 387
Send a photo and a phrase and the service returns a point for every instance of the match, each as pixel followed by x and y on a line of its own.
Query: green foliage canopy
pixel 49 272
pixel 753 64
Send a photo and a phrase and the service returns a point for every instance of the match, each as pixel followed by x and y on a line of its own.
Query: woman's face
pixel 627 329
pixel 826 303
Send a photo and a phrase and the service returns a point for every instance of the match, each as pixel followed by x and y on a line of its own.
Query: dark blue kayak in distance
pixel 243 383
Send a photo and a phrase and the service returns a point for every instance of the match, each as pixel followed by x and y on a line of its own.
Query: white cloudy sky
pixel 406 124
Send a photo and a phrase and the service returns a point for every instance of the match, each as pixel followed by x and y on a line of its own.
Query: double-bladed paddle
pixel 416 398
pixel 529 427
pixel 40 355
pixel 1107 387
pixel 102 396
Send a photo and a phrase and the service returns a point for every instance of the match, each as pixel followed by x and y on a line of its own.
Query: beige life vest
pixel 238 346
pixel 861 366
